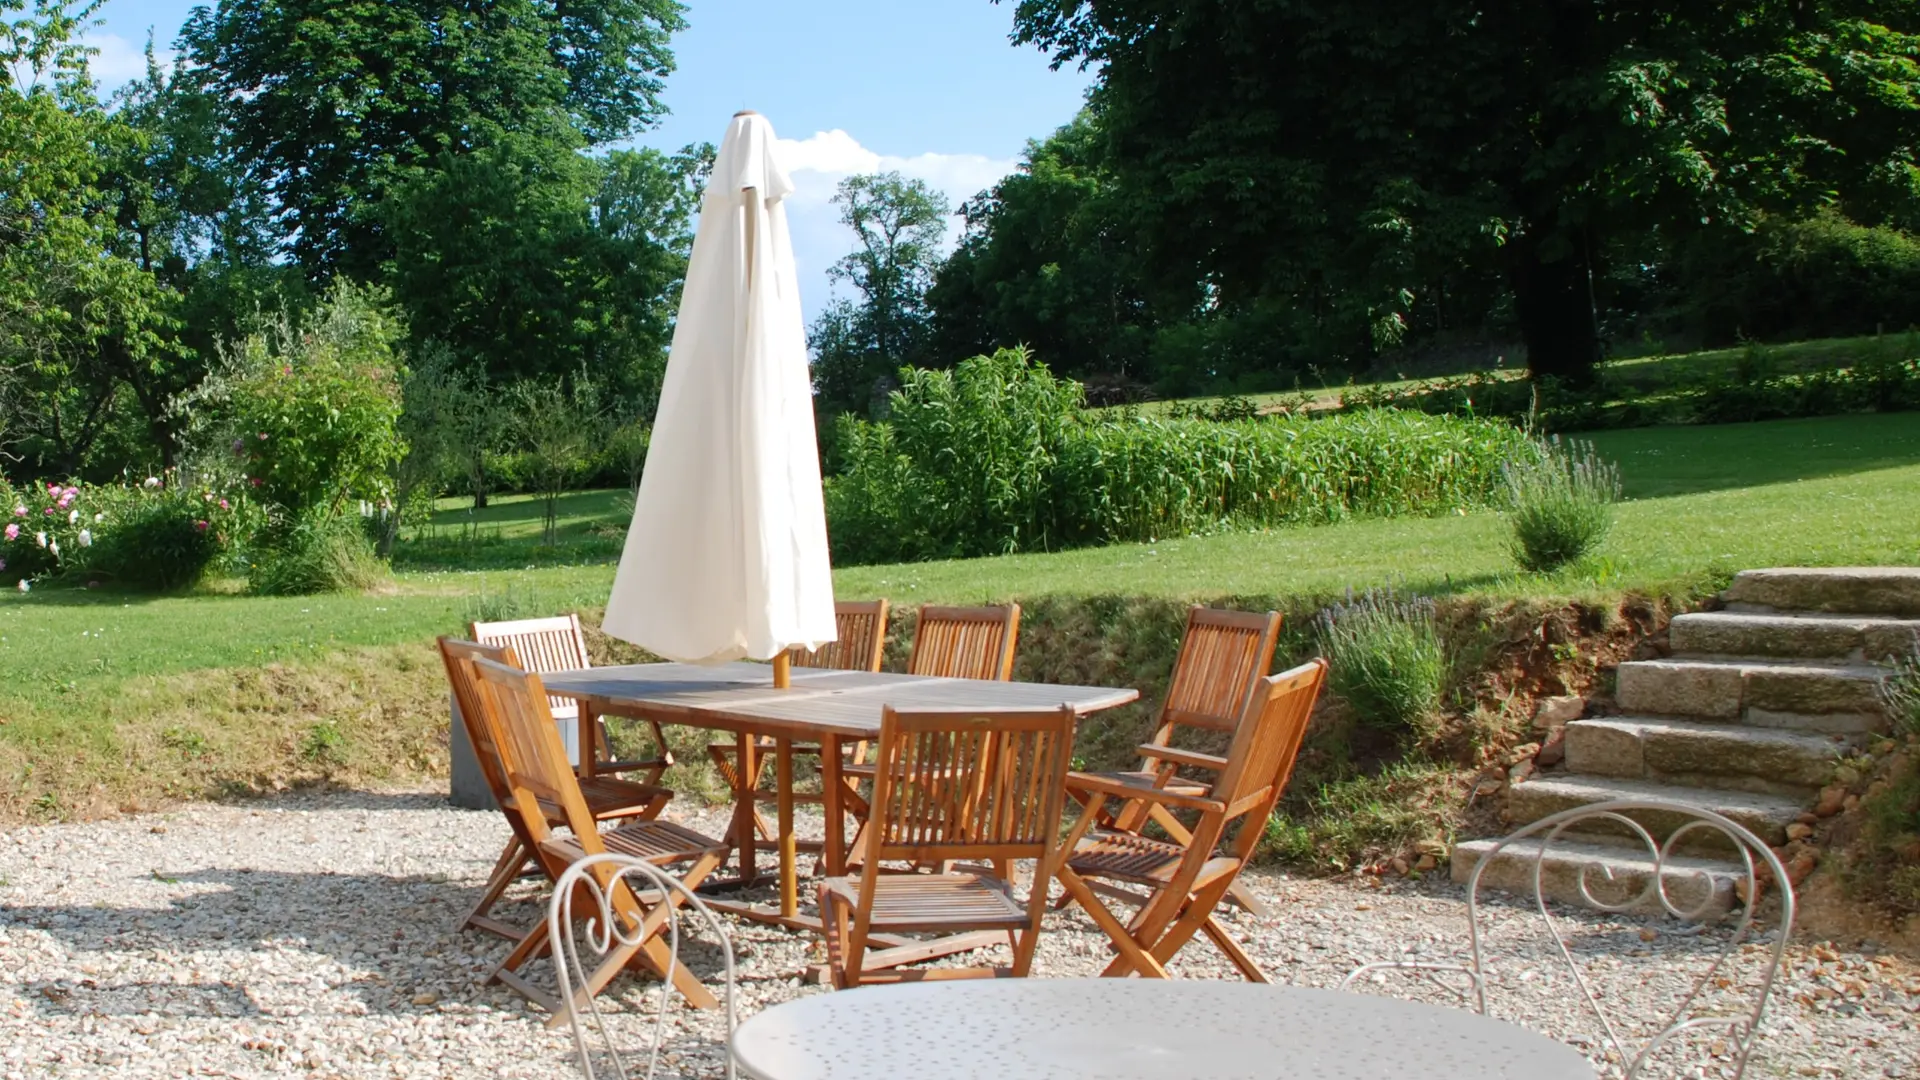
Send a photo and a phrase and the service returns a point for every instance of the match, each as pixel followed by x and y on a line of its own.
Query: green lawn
pixel 1702 501
pixel 1656 462
pixel 94 684
pixel 520 517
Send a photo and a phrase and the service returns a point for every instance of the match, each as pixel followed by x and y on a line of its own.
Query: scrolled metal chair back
pixel 597 877
pixel 1652 896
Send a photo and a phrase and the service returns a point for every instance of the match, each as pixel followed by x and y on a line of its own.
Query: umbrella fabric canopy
pixel 727 555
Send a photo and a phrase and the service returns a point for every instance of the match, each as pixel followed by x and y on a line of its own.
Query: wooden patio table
pixel 828 706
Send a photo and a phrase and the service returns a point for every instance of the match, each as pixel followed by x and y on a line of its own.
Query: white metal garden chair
pixel 1607 890
pixel 602 932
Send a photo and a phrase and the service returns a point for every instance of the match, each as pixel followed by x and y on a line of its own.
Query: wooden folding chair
pixel 1222 656
pixel 951 643
pixel 608 798
pixel 953 784
pixel 965 642
pixel 861 639
pixel 547 645
pixel 1185 881
pixel 534 761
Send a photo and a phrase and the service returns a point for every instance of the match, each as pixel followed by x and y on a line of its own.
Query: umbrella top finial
pixel 745 112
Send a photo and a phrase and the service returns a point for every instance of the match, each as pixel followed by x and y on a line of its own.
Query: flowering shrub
pixel 306 410
pixel 149 534
pixel 47 526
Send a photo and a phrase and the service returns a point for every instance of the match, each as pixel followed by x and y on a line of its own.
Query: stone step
pixel 1706 755
pixel 1766 815
pixel 1794 634
pixel 1862 590
pixel 1702 888
pixel 1836 697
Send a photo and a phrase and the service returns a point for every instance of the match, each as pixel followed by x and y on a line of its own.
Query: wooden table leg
pixel 748 776
pixel 789 845
pixel 587 737
pixel 833 855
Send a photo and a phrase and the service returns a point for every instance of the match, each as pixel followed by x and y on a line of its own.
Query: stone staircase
pixel 1744 717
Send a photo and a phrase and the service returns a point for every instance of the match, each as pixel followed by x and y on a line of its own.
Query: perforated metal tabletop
pixel 1136 1029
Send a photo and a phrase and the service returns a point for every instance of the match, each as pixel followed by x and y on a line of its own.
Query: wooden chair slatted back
pixel 967 784
pixel 544 646
pixel 862 636
pixel 965 643
pixel 1221 655
pixel 1266 746
pixel 534 758
pixel 482 731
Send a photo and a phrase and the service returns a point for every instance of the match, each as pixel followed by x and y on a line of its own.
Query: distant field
pixel 1640 374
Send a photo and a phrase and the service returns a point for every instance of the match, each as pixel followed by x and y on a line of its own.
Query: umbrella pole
pixel 782 678
pixel 783 786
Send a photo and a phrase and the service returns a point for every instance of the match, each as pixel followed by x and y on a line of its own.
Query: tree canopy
pixel 335 101
pixel 1355 162
pixel 898 225
pixel 1047 259
pixel 453 155
pixel 75 314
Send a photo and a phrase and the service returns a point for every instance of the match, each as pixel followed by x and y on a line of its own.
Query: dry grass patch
pixel 354 717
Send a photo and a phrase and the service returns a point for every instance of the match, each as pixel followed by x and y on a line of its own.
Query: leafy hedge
pixel 997 456
pixel 1790 280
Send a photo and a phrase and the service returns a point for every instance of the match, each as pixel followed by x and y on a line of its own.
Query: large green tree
pixel 526 259
pixel 1047 260
pixel 336 101
pixel 197 219
pixel 1339 157
pixel 898 225
pixel 74 313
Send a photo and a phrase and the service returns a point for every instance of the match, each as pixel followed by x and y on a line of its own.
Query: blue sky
pixel 932 88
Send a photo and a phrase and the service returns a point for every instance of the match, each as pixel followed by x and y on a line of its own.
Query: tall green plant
pixel 1901 692
pixel 1560 504
pixel 308 408
pixel 1385 658
pixel 997 456
pixel 559 427
pixel 990 433
pixel 319 553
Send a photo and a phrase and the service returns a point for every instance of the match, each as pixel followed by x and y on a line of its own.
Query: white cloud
pixel 819 162
pixel 118 60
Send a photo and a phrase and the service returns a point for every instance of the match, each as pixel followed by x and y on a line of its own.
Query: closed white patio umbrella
pixel 727 554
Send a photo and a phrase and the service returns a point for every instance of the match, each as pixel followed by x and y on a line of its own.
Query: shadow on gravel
pixel 388 943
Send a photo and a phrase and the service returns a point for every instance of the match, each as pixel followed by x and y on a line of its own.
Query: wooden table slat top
pixel 819 702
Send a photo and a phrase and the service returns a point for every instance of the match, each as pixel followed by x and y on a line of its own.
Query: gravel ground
pixel 312 934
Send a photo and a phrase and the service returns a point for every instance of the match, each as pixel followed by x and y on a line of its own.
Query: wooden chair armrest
pixel 1183 757
pixel 1133 789
pixel 630 766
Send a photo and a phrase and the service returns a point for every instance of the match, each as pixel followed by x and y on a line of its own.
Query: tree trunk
pixel 1554 300
pixel 477 479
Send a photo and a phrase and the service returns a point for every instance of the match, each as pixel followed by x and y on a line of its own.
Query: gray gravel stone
pixel 312 935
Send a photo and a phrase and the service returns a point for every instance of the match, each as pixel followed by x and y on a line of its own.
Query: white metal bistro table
pixel 1136 1029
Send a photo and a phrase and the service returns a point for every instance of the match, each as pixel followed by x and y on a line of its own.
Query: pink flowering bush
pixel 42 530
pixel 156 533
